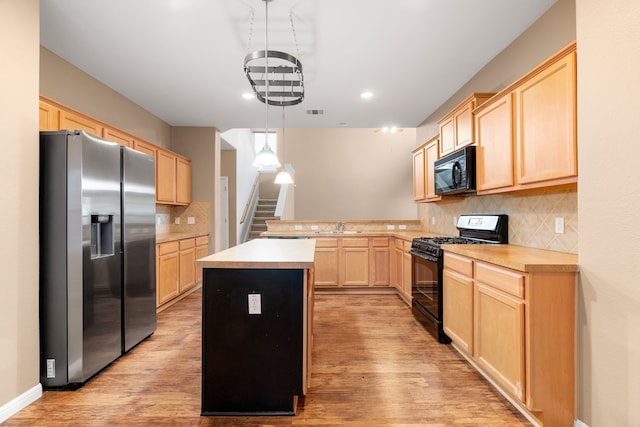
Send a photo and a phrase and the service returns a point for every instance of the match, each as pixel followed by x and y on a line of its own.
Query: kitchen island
pixel 257 327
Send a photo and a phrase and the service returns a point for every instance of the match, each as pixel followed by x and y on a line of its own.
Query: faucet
pixel 339 227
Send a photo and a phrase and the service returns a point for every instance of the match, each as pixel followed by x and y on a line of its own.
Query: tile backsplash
pixel 198 212
pixel 532 217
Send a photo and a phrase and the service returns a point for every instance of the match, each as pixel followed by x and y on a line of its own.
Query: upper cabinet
pixel 173 172
pixel 457 127
pixel 424 189
pixel 526 135
pixel 545 108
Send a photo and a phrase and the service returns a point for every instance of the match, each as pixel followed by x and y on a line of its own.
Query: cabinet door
pixel 419 189
pixel 546 144
pixel 354 266
pixel 406 273
pixel 458 309
pixel 165 177
pixel 71 121
pixel 145 148
pixel 326 263
pixel 447 136
pixel 49 117
pixel 117 136
pixel 494 152
pixel 379 266
pixel 463 126
pixel 167 274
pixel 499 338
pixel 187 265
pixel 202 250
pixel 431 155
pixel 183 181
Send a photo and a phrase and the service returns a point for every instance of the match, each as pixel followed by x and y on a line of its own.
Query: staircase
pixel 265 211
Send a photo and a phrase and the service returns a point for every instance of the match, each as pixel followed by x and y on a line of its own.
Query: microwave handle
pixel 456 175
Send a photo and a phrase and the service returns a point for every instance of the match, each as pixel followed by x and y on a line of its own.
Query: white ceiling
pixel 182 60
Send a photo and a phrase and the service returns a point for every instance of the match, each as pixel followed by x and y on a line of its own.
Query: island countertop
pixel 264 253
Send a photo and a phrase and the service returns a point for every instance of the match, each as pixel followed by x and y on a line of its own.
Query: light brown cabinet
pixel 457 127
pixel 326 262
pixel 173 172
pixel 424 189
pixel 49 118
pixel 457 291
pixel 494 151
pixel 526 135
pixel 73 121
pixel 406 272
pixel 176 272
pixel 522 326
pixel 354 261
pixel 379 261
pixel 167 268
pixel 545 105
pixel 202 250
pixel 120 137
pixel 419 175
pixel 187 265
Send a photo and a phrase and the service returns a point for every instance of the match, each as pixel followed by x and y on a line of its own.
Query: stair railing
pixel 249 211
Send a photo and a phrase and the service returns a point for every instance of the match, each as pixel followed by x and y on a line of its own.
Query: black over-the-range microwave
pixel 455 173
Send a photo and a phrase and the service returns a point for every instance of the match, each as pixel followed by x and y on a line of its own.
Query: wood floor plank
pixel 373 365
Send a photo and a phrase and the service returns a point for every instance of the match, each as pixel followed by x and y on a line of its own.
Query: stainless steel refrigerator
pixel 97 254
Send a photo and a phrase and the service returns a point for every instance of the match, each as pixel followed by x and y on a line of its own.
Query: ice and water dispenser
pixel 102 243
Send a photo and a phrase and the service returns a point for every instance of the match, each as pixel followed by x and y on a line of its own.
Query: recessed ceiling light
pixel 366 95
pixel 248 95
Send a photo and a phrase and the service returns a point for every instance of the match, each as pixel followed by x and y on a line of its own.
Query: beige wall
pixel 68 85
pixel 201 145
pixel 609 203
pixel 352 173
pixel 19 48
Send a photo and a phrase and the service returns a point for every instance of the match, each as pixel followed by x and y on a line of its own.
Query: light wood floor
pixel 373 365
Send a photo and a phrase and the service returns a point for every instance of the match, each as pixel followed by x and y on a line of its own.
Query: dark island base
pixel 252 363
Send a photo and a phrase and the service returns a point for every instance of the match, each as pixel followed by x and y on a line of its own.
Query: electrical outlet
pixel 191 220
pixel 559 225
pixel 51 368
pixel 433 220
pixel 402 227
pixel 391 227
pixel 297 227
pixel 177 220
pixel 255 305
pixel 314 227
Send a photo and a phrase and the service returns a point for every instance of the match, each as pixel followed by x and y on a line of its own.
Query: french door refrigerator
pixel 97 254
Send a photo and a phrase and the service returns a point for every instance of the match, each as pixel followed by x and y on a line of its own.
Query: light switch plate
pixel 255 304
pixel 297 227
pixel 559 225
pixel 191 220
pixel 402 227
pixel 391 227
pixel 177 220
pixel 314 227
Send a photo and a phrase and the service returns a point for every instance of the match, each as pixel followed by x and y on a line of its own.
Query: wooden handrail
pixel 246 206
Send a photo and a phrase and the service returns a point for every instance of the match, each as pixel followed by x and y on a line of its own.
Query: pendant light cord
pixel 266 71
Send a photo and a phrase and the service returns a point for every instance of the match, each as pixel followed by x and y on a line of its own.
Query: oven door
pixel 426 283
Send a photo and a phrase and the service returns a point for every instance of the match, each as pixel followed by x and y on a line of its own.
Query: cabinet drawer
pixel 379 241
pixel 187 244
pixel 355 242
pixel 167 248
pixel 326 243
pixel 500 278
pixel 202 240
pixel 462 265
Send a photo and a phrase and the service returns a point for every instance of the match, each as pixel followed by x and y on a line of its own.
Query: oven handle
pixel 423 256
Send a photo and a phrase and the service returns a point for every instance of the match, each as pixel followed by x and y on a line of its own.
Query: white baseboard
pixel 20 402
pixel 578 423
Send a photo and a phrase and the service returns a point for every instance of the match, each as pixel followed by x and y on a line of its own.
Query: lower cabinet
pixel 518 328
pixel 326 262
pixel 167 266
pixel 176 271
pixel 406 272
pixel 354 262
pixel 379 261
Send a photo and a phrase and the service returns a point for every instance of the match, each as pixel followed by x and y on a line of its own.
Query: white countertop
pixel 264 253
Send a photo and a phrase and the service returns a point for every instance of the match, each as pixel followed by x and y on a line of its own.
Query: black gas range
pixel 427 265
